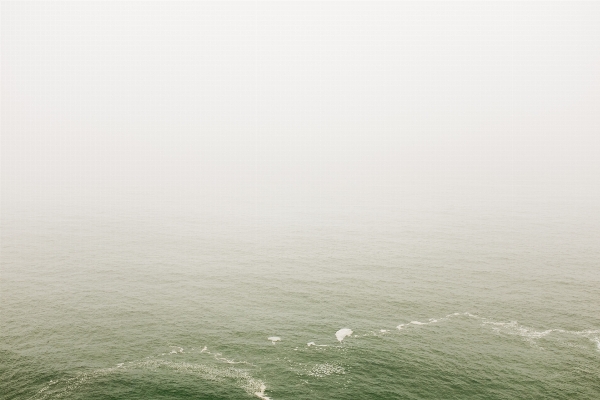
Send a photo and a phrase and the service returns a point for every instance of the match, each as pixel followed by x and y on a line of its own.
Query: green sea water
pixel 443 303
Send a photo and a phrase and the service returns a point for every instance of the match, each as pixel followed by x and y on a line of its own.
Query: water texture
pixel 339 304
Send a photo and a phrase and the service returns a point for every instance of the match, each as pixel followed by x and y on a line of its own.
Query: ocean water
pixel 423 302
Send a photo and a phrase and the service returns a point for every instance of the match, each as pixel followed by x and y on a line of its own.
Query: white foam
pixel 435 320
pixel 261 394
pixel 314 344
pixel 274 339
pixel 218 356
pixel 531 335
pixel 514 328
pixel 64 387
pixel 323 370
pixel 342 333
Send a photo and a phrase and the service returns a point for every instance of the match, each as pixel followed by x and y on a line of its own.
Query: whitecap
pixel 261 393
pixel 274 339
pixel 342 333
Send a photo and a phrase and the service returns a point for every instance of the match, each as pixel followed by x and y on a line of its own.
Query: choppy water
pixel 478 303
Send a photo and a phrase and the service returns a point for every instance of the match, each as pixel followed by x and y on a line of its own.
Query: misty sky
pixel 309 101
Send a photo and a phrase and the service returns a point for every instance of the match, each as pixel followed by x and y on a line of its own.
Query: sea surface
pixel 463 301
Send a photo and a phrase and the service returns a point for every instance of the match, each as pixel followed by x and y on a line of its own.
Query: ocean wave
pixel 532 335
pixel 432 320
pixel 513 328
pixel 56 389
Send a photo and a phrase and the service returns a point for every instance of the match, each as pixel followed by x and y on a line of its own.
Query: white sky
pixel 312 101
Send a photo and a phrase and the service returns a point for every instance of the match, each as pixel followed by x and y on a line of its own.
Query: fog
pixel 316 104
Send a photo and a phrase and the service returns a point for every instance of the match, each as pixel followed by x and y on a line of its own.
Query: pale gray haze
pixel 313 104
pixel 300 201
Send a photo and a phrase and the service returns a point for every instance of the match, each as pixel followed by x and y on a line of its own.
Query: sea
pixel 433 300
